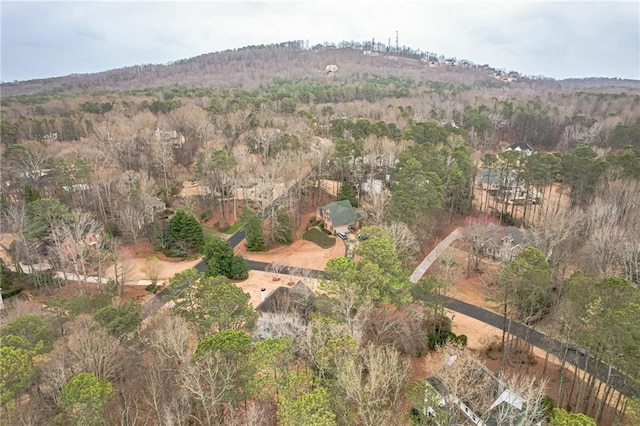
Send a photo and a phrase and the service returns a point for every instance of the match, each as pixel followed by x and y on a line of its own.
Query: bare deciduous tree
pixel 131 219
pixel 123 267
pixel 87 349
pixel 405 241
pixel 152 269
pixel 162 160
pixel 75 240
pixel 375 203
pixel 171 344
pixel 476 233
pixel 373 385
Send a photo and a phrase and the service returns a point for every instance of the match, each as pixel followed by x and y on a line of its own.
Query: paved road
pixel 582 360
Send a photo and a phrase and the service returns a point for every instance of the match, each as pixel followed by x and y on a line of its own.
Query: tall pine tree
pixel 255 233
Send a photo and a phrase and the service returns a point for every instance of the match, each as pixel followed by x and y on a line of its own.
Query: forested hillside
pixel 252 138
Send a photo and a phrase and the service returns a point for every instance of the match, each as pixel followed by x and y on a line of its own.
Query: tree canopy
pixel 221 261
pixel 212 304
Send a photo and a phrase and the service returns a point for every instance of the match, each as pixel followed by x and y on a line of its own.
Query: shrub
pixel 443 337
pixel 239 268
pixel 10 293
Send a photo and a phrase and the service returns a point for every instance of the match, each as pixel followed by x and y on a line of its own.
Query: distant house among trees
pixel 76 187
pixel 170 136
pixel 523 147
pixel 153 206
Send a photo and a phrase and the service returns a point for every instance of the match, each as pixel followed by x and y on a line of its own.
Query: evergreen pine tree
pixel 217 258
pixel 348 192
pixel 283 229
pixel 221 261
pixel 185 231
pixel 255 233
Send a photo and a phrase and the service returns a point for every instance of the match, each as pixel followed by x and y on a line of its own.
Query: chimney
pixel 263 293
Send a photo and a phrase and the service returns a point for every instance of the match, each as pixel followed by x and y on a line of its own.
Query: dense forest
pixel 417 141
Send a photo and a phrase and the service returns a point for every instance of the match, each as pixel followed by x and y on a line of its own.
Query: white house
pixel 523 147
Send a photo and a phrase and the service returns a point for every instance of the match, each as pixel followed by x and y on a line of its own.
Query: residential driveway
pixel 421 269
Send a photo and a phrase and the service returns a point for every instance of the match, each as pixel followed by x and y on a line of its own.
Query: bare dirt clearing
pixel 270 281
pixel 300 254
pixel 142 254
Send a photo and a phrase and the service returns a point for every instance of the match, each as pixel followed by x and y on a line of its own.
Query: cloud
pixel 557 39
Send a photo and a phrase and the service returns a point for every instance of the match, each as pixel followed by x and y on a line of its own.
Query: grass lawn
pixel 233 228
pixel 214 232
pixel 319 237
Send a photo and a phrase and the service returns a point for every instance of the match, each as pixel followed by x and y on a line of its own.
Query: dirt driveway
pixel 300 254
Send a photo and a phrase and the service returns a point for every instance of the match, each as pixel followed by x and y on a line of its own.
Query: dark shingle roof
pixel 297 299
pixel 341 213
pixel 521 146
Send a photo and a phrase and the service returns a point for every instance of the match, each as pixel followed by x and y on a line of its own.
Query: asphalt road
pixel 579 359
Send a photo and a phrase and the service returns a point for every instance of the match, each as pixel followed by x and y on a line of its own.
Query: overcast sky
pixel 557 39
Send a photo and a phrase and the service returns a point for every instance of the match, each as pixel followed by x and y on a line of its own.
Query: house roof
pixel 296 299
pixel 341 213
pixel 498 394
pixel 521 146
pixel 517 235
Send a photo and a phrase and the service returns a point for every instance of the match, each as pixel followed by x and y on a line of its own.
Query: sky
pixel 558 39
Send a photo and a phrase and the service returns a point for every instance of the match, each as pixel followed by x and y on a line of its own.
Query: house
pixel 177 140
pixel 372 185
pixel 523 147
pixel 510 245
pixel 285 311
pixel 339 216
pixel 153 206
pixel 489 179
pixel 474 395
pixel 79 240
pixel 331 70
pixel 290 300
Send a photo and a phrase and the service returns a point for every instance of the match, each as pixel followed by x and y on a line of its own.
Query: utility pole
pixel 397 48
